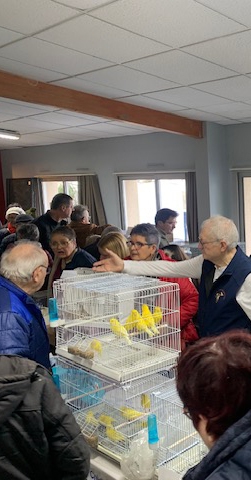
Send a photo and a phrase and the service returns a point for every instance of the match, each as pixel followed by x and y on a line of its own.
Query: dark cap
pixel 24 218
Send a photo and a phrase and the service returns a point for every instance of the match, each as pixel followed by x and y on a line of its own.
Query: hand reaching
pixel 111 264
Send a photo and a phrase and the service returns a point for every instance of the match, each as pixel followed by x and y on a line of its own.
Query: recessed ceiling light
pixel 9 135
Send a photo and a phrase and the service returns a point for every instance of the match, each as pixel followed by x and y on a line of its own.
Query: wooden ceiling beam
pixel 31 91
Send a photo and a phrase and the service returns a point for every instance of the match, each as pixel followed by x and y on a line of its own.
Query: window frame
pixel 156 176
pixel 64 179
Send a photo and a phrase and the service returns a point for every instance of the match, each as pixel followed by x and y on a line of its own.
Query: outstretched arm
pixel 111 264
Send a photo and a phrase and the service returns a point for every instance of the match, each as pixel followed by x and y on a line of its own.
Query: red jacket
pixel 188 303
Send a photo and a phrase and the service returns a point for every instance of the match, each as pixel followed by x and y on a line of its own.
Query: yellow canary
pixel 90 418
pixel 119 330
pixel 96 345
pixel 130 322
pixel 145 401
pixel 157 314
pixel 148 319
pixel 106 420
pixel 141 325
pixel 113 435
pixel 130 414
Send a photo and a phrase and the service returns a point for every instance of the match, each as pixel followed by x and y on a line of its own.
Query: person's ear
pixel 223 245
pixel 35 275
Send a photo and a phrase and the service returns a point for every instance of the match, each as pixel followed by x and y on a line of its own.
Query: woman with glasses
pixel 214 384
pixel 67 256
pixel 144 246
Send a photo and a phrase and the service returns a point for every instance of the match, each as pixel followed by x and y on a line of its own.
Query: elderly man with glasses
pixel 22 328
pixel 224 272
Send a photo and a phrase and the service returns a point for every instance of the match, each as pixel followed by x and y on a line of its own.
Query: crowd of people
pixel 215 314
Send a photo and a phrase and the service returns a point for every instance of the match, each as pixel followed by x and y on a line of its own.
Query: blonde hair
pixel 116 242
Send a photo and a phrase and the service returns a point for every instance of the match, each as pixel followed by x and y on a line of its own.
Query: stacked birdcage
pixel 110 415
pixel 121 326
pixel 126 331
pixel 180 446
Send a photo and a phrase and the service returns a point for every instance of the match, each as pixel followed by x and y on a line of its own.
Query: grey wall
pixel 222 149
pixel 105 157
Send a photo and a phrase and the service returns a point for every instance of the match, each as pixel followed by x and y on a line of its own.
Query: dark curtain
pixel 37 196
pixel 19 190
pixel 27 192
pixel 90 195
pixel 192 210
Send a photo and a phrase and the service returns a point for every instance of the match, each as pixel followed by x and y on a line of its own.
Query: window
pixel 244 181
pixel 140 198
pixel 53 186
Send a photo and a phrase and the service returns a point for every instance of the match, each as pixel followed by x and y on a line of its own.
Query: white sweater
pixel 188 268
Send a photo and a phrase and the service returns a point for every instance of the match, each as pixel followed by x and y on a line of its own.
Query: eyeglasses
pixel 187 413
pixel 204 243
pixel 137 245
pixel 63 243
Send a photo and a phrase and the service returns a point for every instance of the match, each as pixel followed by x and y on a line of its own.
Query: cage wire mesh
pixel 121 326
pixel 110 415
pixel 180 446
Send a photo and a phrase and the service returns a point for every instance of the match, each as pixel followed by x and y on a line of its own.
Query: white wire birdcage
pixel 79 388
pixel 180 446
pixel 120 326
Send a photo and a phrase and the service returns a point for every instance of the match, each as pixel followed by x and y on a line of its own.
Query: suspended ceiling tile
pixel 237 88
pixel 83 4
pixel 29 71
pixel 89 118
pixel 53 57
pixel 62 119
pixel 7 36
pixel 29 125
pixel 130 80
pixel 148 102
pixel 27 105
pixel 179 67
pixel 188 97
pixel 78 83
pixel 28 16
pixel 234 110
pixel 226 51
pixel 18 109
pixel 240 11
pixel 175 23
pixel 200 115
pixel 94 37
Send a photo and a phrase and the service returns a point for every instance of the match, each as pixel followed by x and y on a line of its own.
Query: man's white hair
pixel 18 263
pixel 222 228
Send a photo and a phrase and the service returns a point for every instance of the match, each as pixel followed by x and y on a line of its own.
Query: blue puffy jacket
pixel 230 457
pixel 22 327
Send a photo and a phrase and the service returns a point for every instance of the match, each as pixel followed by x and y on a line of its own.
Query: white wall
pixel 107 156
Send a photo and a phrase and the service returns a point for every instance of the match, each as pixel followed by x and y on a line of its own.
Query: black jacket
pixel 39 438
pixel 46 225
pixel 230 457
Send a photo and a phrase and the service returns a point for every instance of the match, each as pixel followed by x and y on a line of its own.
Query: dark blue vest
pixel 218 308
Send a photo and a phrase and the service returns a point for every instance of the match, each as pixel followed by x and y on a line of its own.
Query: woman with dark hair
pixel 67 256
pixel 214 384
